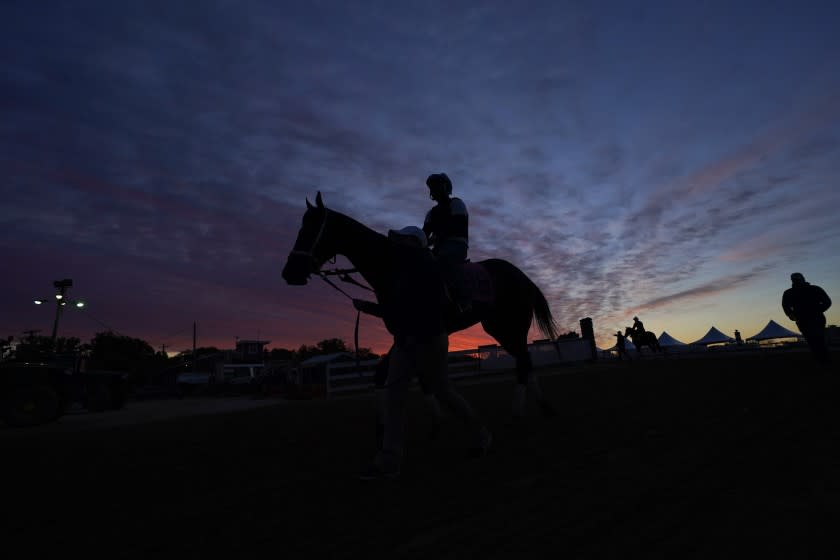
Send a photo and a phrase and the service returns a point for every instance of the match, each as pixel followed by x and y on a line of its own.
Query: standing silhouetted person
pixel 620 345
pixel 447 227
pixel 806 304
pixel 412 310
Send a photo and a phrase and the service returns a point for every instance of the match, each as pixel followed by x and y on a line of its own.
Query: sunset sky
pixel 668 159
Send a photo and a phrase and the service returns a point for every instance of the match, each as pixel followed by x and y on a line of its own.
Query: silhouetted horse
pixel 517 301
pixel 643 339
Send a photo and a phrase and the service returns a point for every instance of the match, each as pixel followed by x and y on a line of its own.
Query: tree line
pixel 108 350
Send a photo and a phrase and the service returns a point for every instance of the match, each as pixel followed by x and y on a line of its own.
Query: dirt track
pixel 672 458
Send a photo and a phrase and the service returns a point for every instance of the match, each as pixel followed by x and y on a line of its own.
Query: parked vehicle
pixel 33 393
pixel 228 378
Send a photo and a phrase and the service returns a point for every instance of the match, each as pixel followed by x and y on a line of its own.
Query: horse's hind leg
pixel 524 367
pixel 534 386
pixel 516 344
pixel 526 380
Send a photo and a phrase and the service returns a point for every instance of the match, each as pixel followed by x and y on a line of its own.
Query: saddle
pixel 478 285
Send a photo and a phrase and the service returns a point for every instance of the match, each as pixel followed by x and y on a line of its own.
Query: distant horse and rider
pixel 507 305
pixel 640 337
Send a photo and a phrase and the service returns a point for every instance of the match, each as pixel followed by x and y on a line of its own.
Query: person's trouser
pixel 813 330
pixel 411 357
pixel 452 255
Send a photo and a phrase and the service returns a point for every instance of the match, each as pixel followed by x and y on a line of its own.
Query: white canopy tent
pixel 714 336
pixel 774 330
pixel 627 346
pixel 666 339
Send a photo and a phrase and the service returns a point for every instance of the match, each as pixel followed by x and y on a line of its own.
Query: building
pixel 249 351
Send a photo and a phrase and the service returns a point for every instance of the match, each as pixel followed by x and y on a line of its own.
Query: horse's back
pixel 478 282
pixel 508 282
pixel 502 271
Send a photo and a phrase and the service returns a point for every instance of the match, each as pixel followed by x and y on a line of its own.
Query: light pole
pixel 60 303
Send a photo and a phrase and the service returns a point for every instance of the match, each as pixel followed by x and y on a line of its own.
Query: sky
pixel 671 160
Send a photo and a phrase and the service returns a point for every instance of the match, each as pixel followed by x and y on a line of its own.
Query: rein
pixel 344 276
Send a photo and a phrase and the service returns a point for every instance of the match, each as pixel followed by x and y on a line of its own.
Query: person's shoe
pixel 378 472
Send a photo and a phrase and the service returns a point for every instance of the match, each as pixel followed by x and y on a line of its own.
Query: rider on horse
pixel 638 326
pixel 447 227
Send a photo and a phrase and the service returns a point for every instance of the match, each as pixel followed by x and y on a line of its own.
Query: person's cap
pixel 797 277
pixel 409 234
pixel 635 318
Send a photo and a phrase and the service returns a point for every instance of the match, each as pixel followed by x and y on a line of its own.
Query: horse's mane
pixel 363 248
pixel 352 221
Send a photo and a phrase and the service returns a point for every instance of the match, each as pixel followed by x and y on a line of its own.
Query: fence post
pixel 587 332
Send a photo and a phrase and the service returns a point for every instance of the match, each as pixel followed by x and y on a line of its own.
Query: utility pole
pixel 60 302
pixel 61 286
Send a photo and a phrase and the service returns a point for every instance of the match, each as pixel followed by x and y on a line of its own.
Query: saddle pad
pixel 477 283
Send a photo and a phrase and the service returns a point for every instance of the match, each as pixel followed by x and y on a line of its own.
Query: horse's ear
pixel 318 201
pixel 308 205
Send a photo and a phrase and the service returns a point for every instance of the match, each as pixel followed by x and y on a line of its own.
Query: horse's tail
pixel 507 277
pixel 542 314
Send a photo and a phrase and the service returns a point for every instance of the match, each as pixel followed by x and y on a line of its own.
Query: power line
pixel 168 337
pixel 110 328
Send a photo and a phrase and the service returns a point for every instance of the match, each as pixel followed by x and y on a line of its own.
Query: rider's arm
pixel 459 219
pixel 427 228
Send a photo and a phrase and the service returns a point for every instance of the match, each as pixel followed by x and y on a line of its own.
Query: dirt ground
pixel 668 458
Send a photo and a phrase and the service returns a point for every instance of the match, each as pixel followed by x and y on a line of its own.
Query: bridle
pixel 310 254
pixel 344 275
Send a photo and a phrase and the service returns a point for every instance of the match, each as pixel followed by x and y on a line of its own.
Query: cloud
pixel 706 290
pixel 172 147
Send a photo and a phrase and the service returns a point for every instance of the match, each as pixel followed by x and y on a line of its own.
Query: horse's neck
pixel 366 249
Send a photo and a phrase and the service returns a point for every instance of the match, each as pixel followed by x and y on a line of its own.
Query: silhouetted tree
pixel 280 354
pixel 367 354
pixel 116 352
pixel 331 346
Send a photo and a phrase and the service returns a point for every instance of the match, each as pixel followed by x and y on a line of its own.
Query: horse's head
pixel 312 247
pixel 628 331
